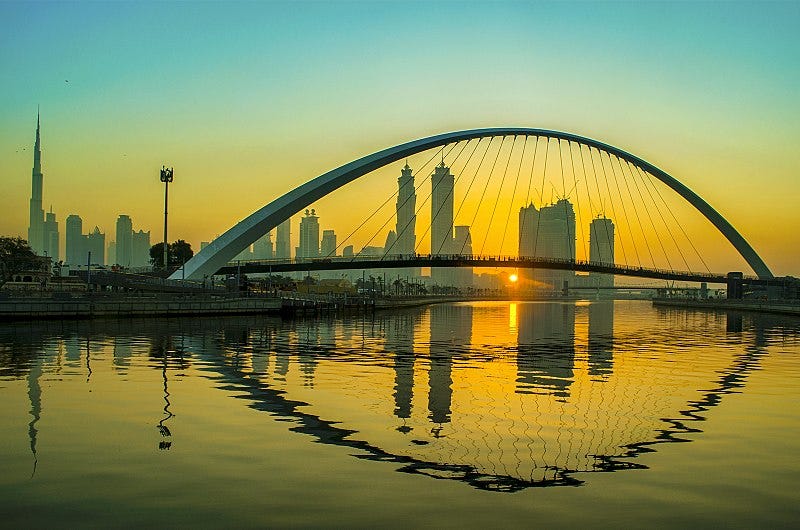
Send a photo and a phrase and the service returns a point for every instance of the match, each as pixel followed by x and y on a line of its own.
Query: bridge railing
pixel 472 260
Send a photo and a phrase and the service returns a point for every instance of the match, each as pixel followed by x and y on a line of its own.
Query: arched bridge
pixel 222 250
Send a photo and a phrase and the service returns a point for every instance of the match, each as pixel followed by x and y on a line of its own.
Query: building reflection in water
pixel 451 331
pixel 400 333
pixel 546 354
pixel 601 337
pixel 35 399
pixel 521 417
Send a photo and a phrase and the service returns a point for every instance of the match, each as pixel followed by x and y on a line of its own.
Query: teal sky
pixel 248 100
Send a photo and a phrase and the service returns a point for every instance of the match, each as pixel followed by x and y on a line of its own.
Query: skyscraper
pixel 328 245
pixel 442 182
pixel 309 236
pixel 405 229
pixel 111 258
pixel 283 240
pixel 262 248
pixel 601 249
pixel 96 244
pixel 406 218
pixel 124 241
pixel 140 248
pixel 547 233
pixel 463 245
pixel 36 223
pixel 51 243
pixel 75 251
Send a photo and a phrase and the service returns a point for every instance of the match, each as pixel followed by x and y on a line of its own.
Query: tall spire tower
pixel 36 225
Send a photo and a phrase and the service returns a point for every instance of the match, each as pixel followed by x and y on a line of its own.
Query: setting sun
pixel 513 278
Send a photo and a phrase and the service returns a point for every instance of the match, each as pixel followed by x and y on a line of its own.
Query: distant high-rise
pixel 96 244
pixel 405 229
pixel 463 245
pixel 124 241
pixel 390 243
pixel 262 248
pixel 406 217
pixel 75 251
pixel 328 246
pixel 283 240
pixel 309 236
pixel 36 238
pixel 547 233
pixel 601 249
pixel 140 248
pixel 111 257
pixel 51 237
pixel 442 201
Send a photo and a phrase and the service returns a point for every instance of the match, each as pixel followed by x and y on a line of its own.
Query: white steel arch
pixel 240 236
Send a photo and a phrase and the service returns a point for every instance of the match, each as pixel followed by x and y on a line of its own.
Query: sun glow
pixel 513 278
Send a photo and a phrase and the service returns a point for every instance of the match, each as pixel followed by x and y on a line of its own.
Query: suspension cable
pixel 422 205
pixel 636 212
pixel 624 209
pixel 661 215
pixel 483 193
pixel 513 194
pixel 578 202
pixel 527 195
pixel 391 216
pixel 683 231
pixel 497 200
pixel 608 189
pixel 566 201
pixel 462 200
pixel 541 198
pixel 647 211
pixel 375 212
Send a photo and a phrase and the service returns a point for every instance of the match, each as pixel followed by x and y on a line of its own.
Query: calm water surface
pixel 478 414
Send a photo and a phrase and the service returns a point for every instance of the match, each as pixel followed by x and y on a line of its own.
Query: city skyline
pixel 720 118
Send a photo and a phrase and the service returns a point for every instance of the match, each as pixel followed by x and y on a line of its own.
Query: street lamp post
pixel 166 178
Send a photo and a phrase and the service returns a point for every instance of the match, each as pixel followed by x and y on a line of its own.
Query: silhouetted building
pixel 328 245
pixel 283 246
pixel 111 257
pixel 124 240
pixel 347 252
pixel 36 238
pixel 262 248
pixel 406 217
pixel 309 236
pixel 463 245
pixel 442 200
pixel 140 248
pixel 95 244
pixel 547 233
pixel 51 237
pixel 601 249
pixel 75 249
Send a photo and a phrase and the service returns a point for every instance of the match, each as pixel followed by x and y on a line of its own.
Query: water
pixel 478 414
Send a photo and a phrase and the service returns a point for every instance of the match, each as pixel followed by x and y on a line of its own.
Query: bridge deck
pixel 400 261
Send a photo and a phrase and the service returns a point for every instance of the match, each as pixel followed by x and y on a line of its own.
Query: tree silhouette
pixel 178 253
pixel 16 256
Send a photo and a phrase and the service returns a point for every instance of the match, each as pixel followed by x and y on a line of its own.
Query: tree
pixel 16 256
pixel 178 253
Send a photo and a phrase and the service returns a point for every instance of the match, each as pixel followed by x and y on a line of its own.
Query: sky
pixel 247 100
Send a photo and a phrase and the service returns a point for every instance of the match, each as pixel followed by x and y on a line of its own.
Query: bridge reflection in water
pixel 502 396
